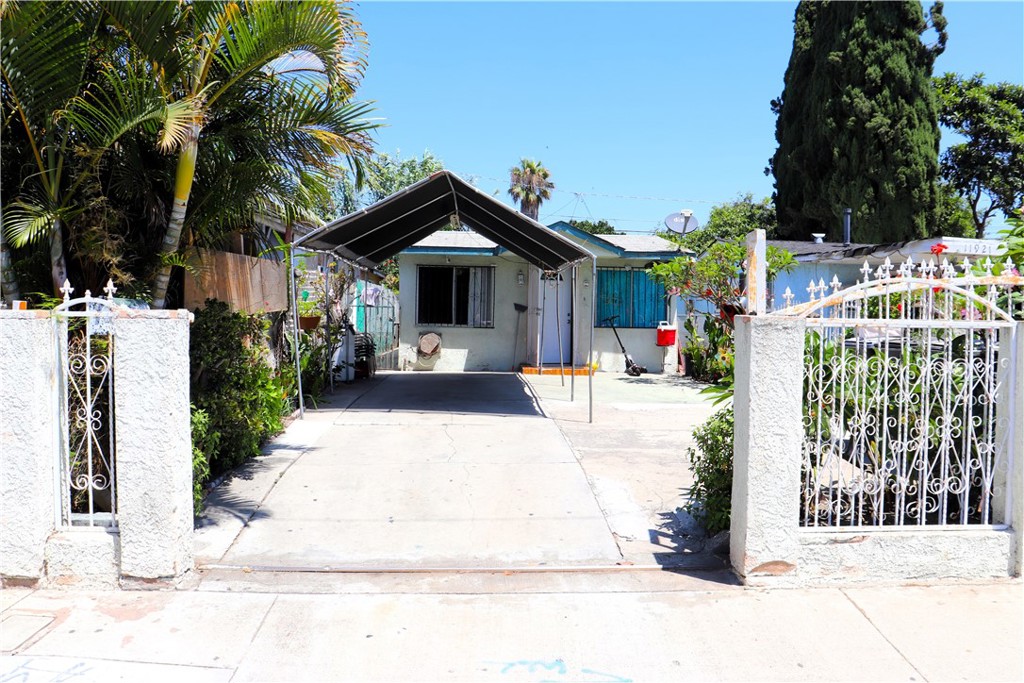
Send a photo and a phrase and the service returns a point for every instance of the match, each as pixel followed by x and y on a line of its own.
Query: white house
pixel 492 310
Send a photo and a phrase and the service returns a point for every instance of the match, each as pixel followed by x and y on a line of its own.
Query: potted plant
pixel 309 315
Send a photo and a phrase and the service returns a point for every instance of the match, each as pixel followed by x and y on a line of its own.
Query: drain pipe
pixel 847 213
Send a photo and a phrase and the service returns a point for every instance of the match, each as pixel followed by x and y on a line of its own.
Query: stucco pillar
pixel 768 407
pixel 154 454
pixel 28 452
pixel 1009 479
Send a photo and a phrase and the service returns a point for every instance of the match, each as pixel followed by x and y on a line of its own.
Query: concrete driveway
pixel 426 471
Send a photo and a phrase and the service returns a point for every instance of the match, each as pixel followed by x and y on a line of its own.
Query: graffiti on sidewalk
pixel 30 670
pixel 557 671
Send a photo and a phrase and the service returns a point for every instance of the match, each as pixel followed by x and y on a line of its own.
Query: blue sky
pixel 643 109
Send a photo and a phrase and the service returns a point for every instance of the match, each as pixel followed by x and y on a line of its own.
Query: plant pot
pixel 308 322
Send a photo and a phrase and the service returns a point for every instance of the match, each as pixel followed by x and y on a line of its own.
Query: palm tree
pixel 43 58
pixel 66 104
pixel 529 185
pixel 268 88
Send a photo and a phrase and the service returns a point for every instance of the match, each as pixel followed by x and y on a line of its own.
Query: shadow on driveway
pixel 456 392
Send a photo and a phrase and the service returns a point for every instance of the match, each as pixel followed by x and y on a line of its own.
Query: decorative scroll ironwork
pixel 85 342
pixel 904 376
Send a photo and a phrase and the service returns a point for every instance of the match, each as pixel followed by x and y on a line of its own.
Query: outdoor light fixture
pixel 520 278
pixel 586 282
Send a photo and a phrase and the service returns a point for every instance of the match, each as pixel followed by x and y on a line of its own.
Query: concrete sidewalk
pixel 629 626
pixel 269 608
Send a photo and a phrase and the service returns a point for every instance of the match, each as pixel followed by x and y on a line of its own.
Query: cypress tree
pixel 857 122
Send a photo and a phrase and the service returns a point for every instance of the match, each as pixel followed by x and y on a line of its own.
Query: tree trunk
pixel 58 266
pixel 8 280
pixel 182 189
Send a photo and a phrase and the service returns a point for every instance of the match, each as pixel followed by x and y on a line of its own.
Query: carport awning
pixel 378 232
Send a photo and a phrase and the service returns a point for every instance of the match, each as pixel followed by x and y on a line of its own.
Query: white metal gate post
pixel 767 455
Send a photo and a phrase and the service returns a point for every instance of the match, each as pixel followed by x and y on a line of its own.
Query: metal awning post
pixel 575 337
pixel 558 330
pixel 295 328
pixel 593 315
pixel 543 311
pixel 327 323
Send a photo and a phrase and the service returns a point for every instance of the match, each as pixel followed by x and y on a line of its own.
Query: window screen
pixel 455 295
pixel 632 295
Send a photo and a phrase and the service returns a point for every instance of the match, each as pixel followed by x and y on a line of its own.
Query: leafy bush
pixel 233 384
pixel 711 494
pixel 204 443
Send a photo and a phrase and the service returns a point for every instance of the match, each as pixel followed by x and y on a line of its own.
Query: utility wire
pixel 613 196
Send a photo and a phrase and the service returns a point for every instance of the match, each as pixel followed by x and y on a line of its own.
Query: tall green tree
pixel 385 174
pixel 987 168
pixel 530 185
pixel 857 122
pixel 601 227
pixel 292 66
pixel 47 60
pixel 730 221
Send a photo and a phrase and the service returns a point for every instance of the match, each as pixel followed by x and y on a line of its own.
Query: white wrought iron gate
pixel 906 396
pixel 84 329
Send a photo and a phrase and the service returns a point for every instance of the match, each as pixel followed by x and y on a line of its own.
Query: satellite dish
pixel 682 222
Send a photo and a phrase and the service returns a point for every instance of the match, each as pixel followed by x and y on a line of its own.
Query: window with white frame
pixel 455 296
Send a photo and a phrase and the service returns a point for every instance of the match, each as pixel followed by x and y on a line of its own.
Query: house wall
pixel 466 348
pixel 640 343
pixel 800 277
pixel 470 349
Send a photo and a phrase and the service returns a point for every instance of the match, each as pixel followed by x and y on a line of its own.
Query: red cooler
pixel 666 334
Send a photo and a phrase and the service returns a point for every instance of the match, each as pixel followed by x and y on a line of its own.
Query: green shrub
pixel 711 494
pixel 233 384
pixel 204 443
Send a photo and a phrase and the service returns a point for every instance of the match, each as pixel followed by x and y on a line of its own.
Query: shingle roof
pixel 800 248
pixel 645 243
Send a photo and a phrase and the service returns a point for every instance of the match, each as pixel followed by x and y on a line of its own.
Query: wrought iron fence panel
pixel 85 347
pixel 902 383
pixel 381 322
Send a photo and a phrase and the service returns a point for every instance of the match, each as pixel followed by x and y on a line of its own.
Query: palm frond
pixel 43 54
pixel 26 222
pixel 266 31
pixel 152 28
pixel 126 101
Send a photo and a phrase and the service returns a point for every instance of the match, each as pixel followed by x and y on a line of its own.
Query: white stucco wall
pixel 768 406
pixel 28 404
pixel 767 545
pixel 154 443
pixel 153 456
